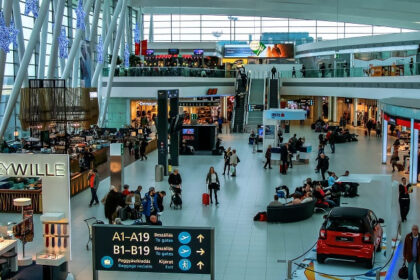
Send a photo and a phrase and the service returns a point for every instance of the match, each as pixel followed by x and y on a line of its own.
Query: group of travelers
pixel 138 149
pixel 371 124
pixel 231 161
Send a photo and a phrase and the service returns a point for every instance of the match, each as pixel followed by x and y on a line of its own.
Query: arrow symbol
pixel 200 238
pixel 200 265
pixel 201 251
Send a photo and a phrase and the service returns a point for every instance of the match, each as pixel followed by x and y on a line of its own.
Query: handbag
pixel 403 272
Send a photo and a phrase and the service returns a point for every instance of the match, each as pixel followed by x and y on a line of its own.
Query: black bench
pixel 290 213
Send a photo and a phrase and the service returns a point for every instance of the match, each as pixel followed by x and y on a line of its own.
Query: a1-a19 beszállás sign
pixel 153 249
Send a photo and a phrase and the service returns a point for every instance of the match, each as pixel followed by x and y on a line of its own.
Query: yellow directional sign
pixel 201 251
pixel 200 238
pixel 200 265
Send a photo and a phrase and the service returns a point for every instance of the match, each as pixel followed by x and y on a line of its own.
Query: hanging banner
pixel 85 65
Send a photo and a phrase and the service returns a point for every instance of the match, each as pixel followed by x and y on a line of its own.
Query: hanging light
pixel 16 133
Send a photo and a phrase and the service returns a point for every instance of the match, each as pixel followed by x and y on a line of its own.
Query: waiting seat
pixel 290 213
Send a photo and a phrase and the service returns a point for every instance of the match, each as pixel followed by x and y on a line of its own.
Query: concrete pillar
pixel 330 102
pixel 355 102
pixel 317 108
pixel 384 140
pixel 414 157
pixel 334 112
pixel 413 149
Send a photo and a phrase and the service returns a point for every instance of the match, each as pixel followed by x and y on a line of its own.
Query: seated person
pixel 296 199
pixel 331 179
pixel 126 190
pixel 322 200
pixel 307 197
pixel 283 189
pixel 153 221
pixel 300 143
pixel 275 202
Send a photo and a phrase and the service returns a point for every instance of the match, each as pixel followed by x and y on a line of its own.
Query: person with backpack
pixel 227 155
pixel 234 160
pixel 150 204
pixel 93 181
pixel 213 183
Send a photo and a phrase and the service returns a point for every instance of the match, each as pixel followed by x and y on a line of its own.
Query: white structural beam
pixel 384 140
pixel 107 42
pixel 93 39
pixel 7 12
pixel 21 43
pixel 43 45
pixel 120 32
pixel 33 39
pixel 76 45
pixel 355 102
pixel 76 70
pixel 56 33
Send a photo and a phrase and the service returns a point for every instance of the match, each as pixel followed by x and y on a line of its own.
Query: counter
pixel 10 245
pixel 101 156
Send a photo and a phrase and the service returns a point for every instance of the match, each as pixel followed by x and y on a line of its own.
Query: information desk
pixel 152 249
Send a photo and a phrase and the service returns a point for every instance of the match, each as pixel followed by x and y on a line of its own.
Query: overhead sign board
pixel 258 49
pixel 153 249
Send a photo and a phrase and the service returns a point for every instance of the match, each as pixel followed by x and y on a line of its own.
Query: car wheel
pixel 371 262
pixel 320 258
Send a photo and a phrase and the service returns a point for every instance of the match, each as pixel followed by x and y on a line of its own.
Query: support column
pixel 93 39
pixel 76 44
pixel 120 29
pixel 33 39
pixel 7 12
pixel 106 43
pixel 76 70
pixel 330 108
pixel 21 42
pixel 414 158
pixel 334 112
pixel 384 140
pixel 355 103
pixel 412 148
pixel 56 33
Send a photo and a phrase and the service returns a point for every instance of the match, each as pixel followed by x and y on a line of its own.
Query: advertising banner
pixel 258 49
pixel 85 65
pixel 153 249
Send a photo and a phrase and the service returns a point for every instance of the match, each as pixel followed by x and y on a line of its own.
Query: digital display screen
pixel 261 132
pixel 188 131
pixel 199 52
pixel 173 51
pixel 153 249
pixel 150 52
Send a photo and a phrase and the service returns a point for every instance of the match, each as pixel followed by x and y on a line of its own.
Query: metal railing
pixel 344 72
pixel 171 72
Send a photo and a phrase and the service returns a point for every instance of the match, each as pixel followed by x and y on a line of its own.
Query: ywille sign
pixel 32 169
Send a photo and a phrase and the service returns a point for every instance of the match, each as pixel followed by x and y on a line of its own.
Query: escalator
pixel 273 98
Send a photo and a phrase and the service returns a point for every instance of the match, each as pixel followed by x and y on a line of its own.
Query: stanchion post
pixel 378 275
pixel 289 269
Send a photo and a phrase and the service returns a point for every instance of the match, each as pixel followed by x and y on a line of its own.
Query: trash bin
pixel 159 172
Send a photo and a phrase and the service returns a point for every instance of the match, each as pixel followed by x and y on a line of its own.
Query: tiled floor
pixel 244 249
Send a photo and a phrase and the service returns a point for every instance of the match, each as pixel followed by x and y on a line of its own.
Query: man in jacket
pixel 331 140
pixel 234 160
pixel 93 181
pixel 273 72
pixel 411 252
pixel 404 198
pixel 323 164
pixel 268 157
pixel 113 199
pixel 150 204
pixel 284 158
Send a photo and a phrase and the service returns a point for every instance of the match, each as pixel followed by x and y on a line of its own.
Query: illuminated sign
pixel 153 249
pixel 32 169
pixel 141 103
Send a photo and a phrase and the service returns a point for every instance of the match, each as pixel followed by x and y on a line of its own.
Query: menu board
pixel 153 249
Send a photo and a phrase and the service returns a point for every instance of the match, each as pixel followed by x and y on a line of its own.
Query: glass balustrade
pixel 170 72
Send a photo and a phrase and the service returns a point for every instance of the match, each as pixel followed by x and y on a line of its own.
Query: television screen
pixel 188 131
pixel 173 51
pixel 261 131
pixel 199 52
pixel 150 52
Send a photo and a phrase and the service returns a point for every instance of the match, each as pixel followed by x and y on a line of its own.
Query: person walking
pixel 268 157
pixel 404 198
pixel 175 179
pixel 303 71
pixel 323 164
pixel 227 155
pixel 284 158
pixel 293 72
pixel 212 181
pixel 411 66
pixel 411 252
pixel 378 129
pixel 331 140
pixel 93 180
pixel 143 146
pixel 234 160
pixel 369 126
pixel 136 150
pixel 273 72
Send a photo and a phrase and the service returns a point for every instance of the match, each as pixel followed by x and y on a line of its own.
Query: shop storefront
pixel 142 109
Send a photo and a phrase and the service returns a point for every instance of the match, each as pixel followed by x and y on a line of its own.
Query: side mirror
pixel 325 217
pixel 381 221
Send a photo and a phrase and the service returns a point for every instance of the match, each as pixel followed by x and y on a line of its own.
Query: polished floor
pixel 244 249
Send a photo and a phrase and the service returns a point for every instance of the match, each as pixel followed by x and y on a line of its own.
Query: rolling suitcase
pixel 206 199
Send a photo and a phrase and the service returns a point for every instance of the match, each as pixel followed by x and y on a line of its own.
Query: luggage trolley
pixel 89 222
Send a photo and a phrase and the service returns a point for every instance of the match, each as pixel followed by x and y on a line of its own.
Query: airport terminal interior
pixel 218 140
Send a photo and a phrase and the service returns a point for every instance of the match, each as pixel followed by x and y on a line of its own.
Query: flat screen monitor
pixel 199 52
pixel 173 51
pixel 150 52
pixel 261 131
pixel 188 131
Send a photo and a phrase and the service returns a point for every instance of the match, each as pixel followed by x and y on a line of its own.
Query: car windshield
pixel 345 225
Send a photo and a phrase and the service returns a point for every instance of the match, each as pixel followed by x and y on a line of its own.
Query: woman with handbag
pixel 213 183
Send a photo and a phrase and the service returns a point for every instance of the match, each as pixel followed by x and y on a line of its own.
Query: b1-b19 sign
pixel 153 249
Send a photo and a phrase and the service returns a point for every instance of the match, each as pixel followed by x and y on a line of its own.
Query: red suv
pixel 350 233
